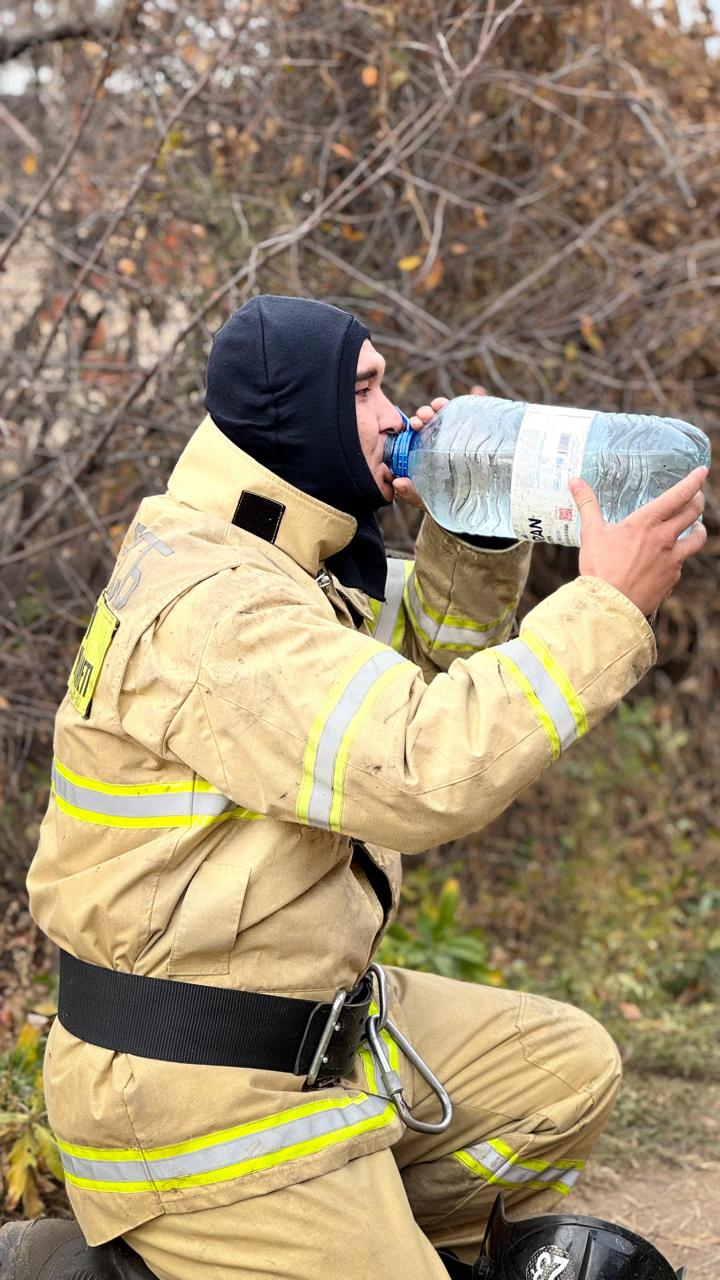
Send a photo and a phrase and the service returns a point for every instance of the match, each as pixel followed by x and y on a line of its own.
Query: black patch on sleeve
pixel 258 515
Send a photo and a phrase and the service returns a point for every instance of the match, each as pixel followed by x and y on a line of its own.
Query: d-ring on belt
pixel 215 1026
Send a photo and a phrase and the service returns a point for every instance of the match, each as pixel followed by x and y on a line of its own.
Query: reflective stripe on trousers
pixel 547 689
pixel 495 1162
pixel 166 804
pixel 320 797
pixel 232 1153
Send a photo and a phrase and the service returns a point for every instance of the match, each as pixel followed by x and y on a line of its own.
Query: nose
pixel 392 418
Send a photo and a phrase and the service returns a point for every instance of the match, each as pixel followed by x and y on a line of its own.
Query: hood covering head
pixel 281 386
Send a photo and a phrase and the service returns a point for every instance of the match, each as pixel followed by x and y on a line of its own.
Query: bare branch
pixel 13 43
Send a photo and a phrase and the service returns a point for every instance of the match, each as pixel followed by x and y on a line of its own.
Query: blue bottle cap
pixel 397 449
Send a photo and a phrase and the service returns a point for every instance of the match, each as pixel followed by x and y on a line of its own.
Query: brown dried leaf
pixel 21 1162
pixel 433 277
pixel 48 1151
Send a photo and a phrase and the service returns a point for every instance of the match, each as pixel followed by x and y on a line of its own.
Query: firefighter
pixel 264 714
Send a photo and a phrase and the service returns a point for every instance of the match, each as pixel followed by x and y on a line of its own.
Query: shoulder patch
pixel 258 515
pixel 91 655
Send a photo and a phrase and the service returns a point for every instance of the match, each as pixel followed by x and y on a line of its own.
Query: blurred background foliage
pixel 524 194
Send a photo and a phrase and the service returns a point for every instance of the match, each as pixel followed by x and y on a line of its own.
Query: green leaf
pixel 445 966
pixel 449 903
pixel 467 948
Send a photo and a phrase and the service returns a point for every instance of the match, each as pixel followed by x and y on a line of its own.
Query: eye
pixel 363 392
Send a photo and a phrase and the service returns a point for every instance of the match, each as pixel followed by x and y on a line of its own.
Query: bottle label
pixel 549 450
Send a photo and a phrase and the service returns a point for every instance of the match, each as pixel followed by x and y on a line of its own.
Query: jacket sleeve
pixel 298 718
pixel 452 600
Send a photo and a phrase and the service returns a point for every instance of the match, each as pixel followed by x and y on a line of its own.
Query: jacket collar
pixel 211 474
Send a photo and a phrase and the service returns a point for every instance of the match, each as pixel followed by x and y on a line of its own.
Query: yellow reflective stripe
pixel 318 724
pixel 180 820
pixel 471 1163
pixel 389 624
pixel 376 606
pixel 368 1062
pixel 368 1058
pixel 492 1179
pixel 449 632
pixel 556 672
pixel 346 745
pixel 243 1167
pixel 230 1153
pixel 130 789
pixel 455 620
pixel 262 1125
pixel 530 1163
pixel 190 803
pixel 549 693
pixel 537 707
pixel 390 1045
pixel 320 795
pixel 398 633
pixel 496 1162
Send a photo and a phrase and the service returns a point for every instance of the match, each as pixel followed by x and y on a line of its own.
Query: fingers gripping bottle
pixel 501 468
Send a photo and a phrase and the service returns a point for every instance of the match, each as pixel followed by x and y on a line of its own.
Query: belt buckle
pixel 331 1026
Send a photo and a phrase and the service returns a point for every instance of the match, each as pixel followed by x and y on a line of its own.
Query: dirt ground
pixel 675 1206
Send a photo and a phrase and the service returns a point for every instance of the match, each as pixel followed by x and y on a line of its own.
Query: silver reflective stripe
pixel 334 729
pixel 499 1166
pixel 546 690
pixel 318 1128
pixel 390 609
pixel 439 633
pixel 168 804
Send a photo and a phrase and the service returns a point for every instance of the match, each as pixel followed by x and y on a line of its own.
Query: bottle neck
pixel 397 452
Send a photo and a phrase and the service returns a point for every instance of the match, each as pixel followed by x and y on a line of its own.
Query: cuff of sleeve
pixel 591 626
pixel 467 549
pixel 626 606
pixel 487 544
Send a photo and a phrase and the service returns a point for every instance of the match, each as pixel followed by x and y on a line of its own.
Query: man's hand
pixel 641 555
pixel 405 488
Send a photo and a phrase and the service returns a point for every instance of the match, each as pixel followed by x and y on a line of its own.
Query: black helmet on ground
pixel 566 1247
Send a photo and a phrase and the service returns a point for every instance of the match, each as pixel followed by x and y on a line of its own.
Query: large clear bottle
pixel 501 468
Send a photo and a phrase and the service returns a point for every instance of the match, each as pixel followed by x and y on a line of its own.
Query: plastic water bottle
pixel 501 468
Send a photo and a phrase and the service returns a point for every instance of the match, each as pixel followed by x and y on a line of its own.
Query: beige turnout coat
pixel 234 718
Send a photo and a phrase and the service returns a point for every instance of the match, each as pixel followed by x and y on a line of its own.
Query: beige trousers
pixel 532 1083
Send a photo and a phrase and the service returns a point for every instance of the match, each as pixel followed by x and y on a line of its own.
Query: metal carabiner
pixel 374 1025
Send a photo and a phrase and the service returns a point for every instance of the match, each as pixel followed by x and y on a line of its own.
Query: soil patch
pixel 676 1206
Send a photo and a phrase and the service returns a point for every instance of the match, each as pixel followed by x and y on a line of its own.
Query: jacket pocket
pixel 209 920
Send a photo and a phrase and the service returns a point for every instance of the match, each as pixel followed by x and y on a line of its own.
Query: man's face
pixel 377 417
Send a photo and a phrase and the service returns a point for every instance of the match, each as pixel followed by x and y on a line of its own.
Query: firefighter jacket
pixel 244 751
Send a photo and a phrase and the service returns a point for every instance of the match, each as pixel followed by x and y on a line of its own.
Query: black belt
pixel 212 1026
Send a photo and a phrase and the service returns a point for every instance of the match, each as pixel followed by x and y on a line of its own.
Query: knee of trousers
pixel 593 1058
pixel 571 1067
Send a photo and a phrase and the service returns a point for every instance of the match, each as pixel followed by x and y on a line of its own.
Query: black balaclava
pixel 281 386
